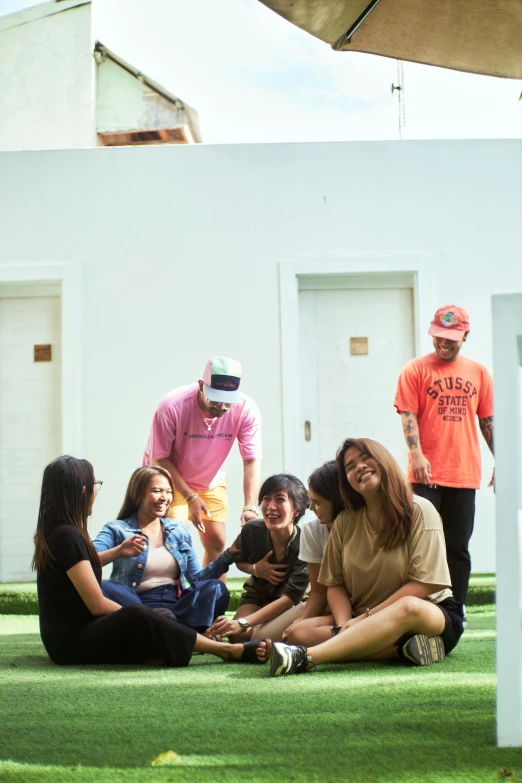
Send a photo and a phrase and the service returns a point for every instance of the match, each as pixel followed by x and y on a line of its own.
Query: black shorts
pixel 453 627
pixel 251 595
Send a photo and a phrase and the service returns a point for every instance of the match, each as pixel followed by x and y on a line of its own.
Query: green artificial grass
pixel 362 723
pixel 20 597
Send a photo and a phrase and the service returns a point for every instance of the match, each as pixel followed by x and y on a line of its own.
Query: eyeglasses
pixel 98 484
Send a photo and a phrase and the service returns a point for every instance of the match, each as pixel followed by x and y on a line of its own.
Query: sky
pixel 253 77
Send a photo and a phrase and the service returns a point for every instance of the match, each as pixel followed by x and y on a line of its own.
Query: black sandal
pixel 249 651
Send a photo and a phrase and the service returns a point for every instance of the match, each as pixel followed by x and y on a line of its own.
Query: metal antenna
pixel 399 87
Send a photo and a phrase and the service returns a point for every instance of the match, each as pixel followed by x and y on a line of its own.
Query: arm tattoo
pixel 409 427
pixel 407 421
pixel 486 428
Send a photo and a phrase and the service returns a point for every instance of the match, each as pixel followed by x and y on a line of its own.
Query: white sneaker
pixel 288 659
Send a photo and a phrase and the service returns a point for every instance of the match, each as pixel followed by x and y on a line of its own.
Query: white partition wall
pixel 507 350
pixel 174 253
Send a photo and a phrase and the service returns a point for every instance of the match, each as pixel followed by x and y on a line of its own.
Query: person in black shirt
pixel 269 552
pixel 78 625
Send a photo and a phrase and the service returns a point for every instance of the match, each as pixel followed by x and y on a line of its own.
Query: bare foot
pixel 262 652
pixel 264 649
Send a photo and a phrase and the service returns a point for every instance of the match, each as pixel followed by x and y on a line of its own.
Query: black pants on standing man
pixel 457 510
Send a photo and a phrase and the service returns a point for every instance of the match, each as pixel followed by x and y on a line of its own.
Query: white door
pixel 30 422
pixel 351 395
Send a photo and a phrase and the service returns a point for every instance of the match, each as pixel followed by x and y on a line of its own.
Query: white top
pixel 161 569
pixel 314 538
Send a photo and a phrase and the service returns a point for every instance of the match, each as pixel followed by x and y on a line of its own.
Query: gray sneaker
pixel 288 659
pixel 423 651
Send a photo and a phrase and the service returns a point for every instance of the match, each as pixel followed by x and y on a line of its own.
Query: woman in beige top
pixel 154 561
pixel 386 572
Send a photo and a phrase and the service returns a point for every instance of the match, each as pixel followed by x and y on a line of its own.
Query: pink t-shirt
pixel 180 433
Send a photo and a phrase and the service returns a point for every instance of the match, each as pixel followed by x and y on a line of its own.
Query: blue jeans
pixel 196 607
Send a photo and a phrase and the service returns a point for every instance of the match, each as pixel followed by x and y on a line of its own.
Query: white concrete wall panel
pixel 178 251
pixel 47 83
pixel 30 430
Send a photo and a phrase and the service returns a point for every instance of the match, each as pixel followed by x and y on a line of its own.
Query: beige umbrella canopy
pixel 479 36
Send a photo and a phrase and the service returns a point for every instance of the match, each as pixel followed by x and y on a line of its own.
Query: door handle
pixel 308 431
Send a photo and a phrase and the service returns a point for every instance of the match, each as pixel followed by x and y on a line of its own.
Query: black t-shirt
pixel 255 543
pixel 60 607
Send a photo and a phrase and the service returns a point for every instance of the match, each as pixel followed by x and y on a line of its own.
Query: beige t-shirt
pixel 370 574
pixel 161 569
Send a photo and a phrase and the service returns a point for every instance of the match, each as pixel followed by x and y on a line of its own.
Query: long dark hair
pixel 66 498
pixel 325 482
pixel 397 495
pixel 136 488
pixel 295 488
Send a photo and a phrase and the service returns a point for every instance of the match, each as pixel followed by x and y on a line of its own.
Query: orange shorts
pixel 216 501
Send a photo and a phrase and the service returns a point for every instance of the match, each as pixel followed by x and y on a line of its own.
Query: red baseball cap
pixel 451 322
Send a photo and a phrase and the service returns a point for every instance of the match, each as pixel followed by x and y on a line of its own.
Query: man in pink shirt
pixel 192 433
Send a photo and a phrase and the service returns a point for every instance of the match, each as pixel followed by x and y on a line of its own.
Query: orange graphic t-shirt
pixel 447 397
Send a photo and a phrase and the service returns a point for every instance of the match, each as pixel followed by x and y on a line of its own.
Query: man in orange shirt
pixel 438 397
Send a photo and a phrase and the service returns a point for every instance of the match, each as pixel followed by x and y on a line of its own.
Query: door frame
pixel 67 275
pixel 419 264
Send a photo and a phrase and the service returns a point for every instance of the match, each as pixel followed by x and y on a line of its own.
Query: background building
pixel 59 89
pixel 319 266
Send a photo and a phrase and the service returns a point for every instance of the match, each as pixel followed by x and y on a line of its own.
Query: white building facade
pixel 47 75
pixel 60 89
pixel 318 266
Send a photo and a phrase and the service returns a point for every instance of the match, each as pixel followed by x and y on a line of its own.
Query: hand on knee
pixel 292 635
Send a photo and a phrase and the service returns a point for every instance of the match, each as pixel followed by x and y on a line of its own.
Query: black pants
pixel 457 510
pixel 133 634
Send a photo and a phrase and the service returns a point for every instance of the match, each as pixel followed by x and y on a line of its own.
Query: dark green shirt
pixel 256 542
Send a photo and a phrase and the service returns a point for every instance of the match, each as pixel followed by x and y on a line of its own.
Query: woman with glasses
pixel 154 561
pixel 78 624
pixel 386 573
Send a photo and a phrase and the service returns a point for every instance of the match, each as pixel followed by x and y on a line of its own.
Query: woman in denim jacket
pixel 154 560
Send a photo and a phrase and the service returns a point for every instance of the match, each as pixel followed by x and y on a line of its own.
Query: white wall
pixel 179 250
pixel 30 410
pixel 47 78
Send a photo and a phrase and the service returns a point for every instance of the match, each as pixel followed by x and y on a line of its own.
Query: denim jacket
pixel 129 570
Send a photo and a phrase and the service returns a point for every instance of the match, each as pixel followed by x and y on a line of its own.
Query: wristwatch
pixel 243 622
